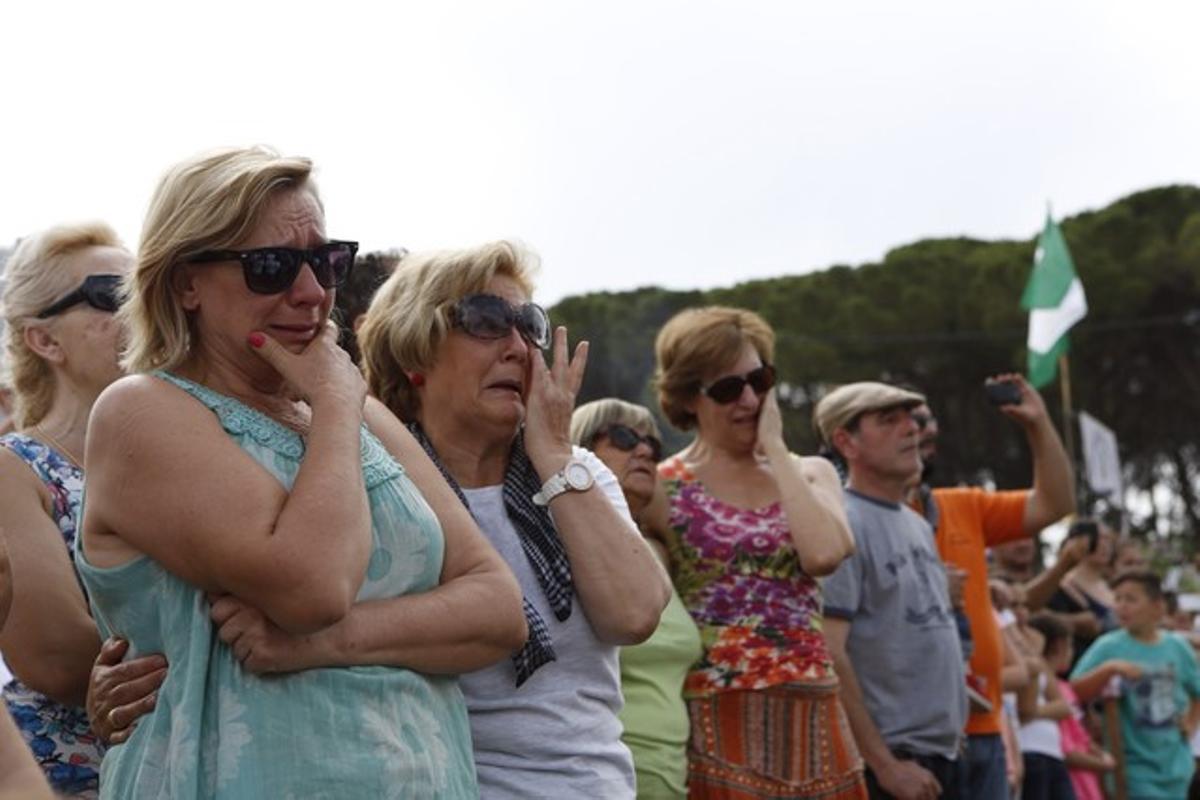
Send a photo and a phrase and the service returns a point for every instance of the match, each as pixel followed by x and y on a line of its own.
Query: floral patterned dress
pixel 60 736
pixel 765 717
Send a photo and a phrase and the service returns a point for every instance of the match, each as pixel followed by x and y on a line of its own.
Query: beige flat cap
pixel 846 402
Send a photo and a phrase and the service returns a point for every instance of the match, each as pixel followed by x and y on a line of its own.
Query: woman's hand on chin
pixel 552 392
pixel 321 373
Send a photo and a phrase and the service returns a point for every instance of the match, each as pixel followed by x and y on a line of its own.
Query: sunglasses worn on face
pixel 271 270
pixel 486 316
pixel 730 388
pixel 101 292
pixel 923 420
pixel 627 439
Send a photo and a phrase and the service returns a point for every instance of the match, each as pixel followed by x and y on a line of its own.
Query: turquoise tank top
pixel 218 731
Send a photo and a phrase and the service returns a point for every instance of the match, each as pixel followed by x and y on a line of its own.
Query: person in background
pixel 1084 599
pixel 626 438
pixel 1041 706
pixel 1084 759
pixel 1160 696
pixel 453 345
pixel 244 497
pixel 1018 560
pixel 1129 556
pixel 355 295
pixel 969 520
pixel 60 345
pixel 750 529
pixel 888 617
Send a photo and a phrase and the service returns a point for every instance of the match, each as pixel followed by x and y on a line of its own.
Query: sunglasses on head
pixel 486 316
pixel 101 292
pixel 728 389
pixel 271 270
pixel 627 439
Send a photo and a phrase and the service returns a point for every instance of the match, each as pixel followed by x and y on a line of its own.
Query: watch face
pixel 578 476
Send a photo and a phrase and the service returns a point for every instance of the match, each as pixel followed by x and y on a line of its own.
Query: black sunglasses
pixel 923 420
pixel 486 316
pixel 101 292
pixel 271 270
pixel 729 388
pixel 627 439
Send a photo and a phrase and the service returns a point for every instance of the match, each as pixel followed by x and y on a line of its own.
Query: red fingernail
pixel 256 339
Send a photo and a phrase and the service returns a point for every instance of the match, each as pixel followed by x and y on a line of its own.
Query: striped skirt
pixel 785 741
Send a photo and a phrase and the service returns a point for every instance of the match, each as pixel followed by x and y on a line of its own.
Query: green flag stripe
pixel 1053 270
pixel 1043 367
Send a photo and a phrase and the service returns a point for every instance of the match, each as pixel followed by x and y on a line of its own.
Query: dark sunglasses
pixel 923 420
pixel 627 439
pixel 101 292
pixel 486 316
pixel 271 270
pixel 728 389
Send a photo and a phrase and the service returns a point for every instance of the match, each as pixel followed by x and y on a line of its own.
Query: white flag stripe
pixel 1048 325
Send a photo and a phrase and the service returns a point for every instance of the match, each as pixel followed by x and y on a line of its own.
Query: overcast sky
pixel 630 143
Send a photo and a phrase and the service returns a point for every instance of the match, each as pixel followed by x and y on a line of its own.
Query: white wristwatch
pixel 575 476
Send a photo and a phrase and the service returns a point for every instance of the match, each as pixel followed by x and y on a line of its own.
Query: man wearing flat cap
pixel 888 618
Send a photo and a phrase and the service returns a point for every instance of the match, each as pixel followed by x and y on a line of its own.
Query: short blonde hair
pixel 410 316
pixel 694 342
pixel 208 202
pixel 592 419
pixel 35 277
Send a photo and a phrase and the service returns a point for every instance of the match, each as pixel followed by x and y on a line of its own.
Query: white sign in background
pixel 1101 458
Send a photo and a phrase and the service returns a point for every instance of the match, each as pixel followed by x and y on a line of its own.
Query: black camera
pixel 1088 528
pixel 1003 393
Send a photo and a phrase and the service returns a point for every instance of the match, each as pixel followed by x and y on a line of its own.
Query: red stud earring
pixel 417 379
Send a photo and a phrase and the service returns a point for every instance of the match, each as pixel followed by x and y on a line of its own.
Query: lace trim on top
pixel 240 419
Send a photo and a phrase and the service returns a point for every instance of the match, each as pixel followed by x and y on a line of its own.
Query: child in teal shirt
pixel 1160 698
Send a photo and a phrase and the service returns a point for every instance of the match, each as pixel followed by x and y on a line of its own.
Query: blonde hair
pixel 592 419
pixel 409 317
pixel 35 277
pixel 208 202
pixel 693 343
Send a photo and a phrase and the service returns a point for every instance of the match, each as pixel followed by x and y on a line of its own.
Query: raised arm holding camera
pixel 969 520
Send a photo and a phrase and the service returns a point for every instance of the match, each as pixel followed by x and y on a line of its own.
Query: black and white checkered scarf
pixel 540 542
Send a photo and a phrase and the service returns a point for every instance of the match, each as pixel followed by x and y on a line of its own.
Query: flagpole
pixel 1068 419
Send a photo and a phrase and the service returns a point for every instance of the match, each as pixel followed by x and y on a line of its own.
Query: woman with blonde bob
pixel 60 344
pixel 626 438
pixel 453 345
pixel 242 466
pixel 750 529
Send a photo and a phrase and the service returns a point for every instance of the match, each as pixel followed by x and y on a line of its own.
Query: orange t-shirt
pixel 970 521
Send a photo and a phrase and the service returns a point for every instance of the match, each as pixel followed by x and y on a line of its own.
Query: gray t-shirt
pixel 903 642
pixel 557 735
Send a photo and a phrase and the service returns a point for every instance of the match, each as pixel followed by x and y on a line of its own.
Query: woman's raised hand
pixel 321 373
pixel 770 428
pixel 551 401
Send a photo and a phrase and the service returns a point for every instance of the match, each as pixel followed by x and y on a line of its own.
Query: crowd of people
pixel 346 534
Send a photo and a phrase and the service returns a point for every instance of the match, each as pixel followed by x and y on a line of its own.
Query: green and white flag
pixel 1055 301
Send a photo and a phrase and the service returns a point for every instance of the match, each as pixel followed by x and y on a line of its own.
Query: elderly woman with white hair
pixel 453 345
pixel 655 718
pixel 242 465
pixel 60 347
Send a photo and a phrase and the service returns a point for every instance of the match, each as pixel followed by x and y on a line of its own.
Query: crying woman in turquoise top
pixel 253 517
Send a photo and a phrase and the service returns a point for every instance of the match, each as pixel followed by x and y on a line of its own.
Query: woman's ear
pixel 183 283
pixel 42 341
